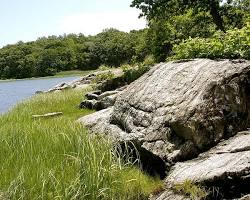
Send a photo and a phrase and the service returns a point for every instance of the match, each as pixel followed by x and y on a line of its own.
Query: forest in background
pixel 177 29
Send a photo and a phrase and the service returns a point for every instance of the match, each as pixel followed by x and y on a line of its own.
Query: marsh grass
pixel 190 189
pixel 55 158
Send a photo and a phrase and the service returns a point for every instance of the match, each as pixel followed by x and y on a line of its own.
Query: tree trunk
pixel 214 11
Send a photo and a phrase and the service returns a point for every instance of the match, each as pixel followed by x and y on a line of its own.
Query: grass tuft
pixel 55 158
pixel 190 189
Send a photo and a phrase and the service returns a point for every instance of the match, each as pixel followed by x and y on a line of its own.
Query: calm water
pixel 12 92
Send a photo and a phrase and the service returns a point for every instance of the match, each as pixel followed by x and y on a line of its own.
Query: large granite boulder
pixel 179 109
pixel 226 160
pixel 225 167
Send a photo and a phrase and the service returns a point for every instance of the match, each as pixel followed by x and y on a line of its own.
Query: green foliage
pixel 104 76
pixel 104 67
pixel 141 46
pixel 164 34
pixel 132 73
pixel 113 47
pixel 47 56
pixel 56 159
pixel 149 61
pixel 172 21
pixel 232 44
pixel 190 189
pixel 219 10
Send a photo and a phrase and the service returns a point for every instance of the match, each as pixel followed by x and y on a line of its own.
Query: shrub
pixel 149 60
pixel 190 189
pixel 233 44
pixel 104 67
pixel 103 76
pixel 133 73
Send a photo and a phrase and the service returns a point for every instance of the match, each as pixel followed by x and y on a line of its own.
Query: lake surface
pixel 12 92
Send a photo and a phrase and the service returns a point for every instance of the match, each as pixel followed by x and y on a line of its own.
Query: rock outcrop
pixel 226 160
pixel 100 100
pixel 83 82
pixel 179 109
pixel 225 167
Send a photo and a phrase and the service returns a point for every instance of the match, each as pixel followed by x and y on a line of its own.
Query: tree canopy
pixel 48 55
pixel 218 9
pixel 172 21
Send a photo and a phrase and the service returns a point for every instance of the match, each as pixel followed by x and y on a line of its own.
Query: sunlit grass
pixel 191 190
pixel 55 158
pixel 74 73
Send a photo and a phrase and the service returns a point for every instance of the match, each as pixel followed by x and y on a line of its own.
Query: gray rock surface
pixel 169 195
pixel 179 109
pixel 90 104
pixel 224 162
pixel 83 82
pixel 98 122
pixel 99 101
pixel 246 197
pixel 91 96
pixel 106 94
pixel 108 101
pixel 225 169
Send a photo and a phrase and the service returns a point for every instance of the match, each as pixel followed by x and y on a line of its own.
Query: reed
pixel 56 158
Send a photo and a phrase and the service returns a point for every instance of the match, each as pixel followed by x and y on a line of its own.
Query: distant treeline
pixel 49 55
pixel 177 29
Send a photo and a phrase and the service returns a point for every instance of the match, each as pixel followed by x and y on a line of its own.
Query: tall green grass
pixel 55 158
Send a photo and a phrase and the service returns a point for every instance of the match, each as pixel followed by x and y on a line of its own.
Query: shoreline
pixel 53 146
pixel 59 75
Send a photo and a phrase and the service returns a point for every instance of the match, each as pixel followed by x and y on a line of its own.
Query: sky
pixel 26 20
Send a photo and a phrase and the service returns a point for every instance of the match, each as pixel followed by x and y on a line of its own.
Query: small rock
pixel 106 94
pixel 90 104
pixel 107 101
pixel 91 96
pixel 96 100
pixel 97 92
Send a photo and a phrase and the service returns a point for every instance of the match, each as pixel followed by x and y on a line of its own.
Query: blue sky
pixel 27 20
